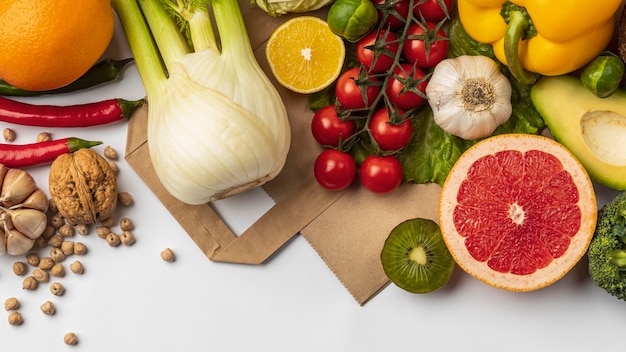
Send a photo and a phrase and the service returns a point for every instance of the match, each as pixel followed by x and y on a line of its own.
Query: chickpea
pixel 55 241
pixel 57 220
pixel 108 222
pixel 52 206
pixel 127 238
pixel 80 248
pixel 32 259
pixel 57 289
pixel 67 247
pixel 82 229
pixel 113 239
pixel 44 137
pixel 70 338
pixel 77 267
pixel 102 231
pixel 126 224
pixel 8 134
pixel 46 263
pixel 48 232
pixel 11 304
pixel 124 198
pixel 15 318
pixel 48 308
pixel 168 255
pixel 57 270
pixel 110 152
pixel 41 275
pixel 67 230
pixel 57 255
pixel 30 283
pixel 19 268
pixel 40 242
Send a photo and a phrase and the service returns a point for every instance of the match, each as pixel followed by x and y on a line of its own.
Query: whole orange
pixel 47 44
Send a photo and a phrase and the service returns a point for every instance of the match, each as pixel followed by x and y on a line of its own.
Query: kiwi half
pixel 416 258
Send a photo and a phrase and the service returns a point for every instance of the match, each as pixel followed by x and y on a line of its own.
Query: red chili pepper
pixel 24 155
pixel 80 115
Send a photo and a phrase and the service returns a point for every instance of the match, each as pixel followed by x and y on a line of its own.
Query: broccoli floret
pixel 607 251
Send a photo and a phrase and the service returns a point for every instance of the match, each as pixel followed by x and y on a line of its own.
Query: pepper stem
pixel 518 25
pixel 129 106
pixel 73 144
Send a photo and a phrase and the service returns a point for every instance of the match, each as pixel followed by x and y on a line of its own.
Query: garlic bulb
pixel 23 209
pixel 469 96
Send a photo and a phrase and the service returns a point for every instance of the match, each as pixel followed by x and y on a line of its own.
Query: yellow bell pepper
pixel 546 37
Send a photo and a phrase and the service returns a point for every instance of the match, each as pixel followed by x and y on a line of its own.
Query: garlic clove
pixel 3 243
pixel 18 243
pixel 38 200
pixel 16 186
pixel 3 172
pixel 29 222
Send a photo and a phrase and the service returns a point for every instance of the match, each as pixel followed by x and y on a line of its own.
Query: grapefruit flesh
pixel 517 211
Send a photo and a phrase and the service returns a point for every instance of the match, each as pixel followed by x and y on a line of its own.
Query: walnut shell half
pixel 83 187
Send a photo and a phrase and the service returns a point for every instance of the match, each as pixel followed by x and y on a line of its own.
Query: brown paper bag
pixel 347 228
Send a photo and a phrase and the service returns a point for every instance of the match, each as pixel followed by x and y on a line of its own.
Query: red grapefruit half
pixel 517 211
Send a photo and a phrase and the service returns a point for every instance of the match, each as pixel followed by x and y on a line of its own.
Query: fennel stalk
pixel 216 124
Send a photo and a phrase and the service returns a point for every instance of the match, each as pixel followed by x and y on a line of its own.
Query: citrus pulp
pixel 304 55
pixel 517 211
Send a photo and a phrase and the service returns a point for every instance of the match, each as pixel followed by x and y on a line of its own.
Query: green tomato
pixel 603 75
pixel 352 19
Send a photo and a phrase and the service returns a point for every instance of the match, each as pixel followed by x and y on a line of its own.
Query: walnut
pixel 83 187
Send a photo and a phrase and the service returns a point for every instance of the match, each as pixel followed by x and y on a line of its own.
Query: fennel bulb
pixel 216 124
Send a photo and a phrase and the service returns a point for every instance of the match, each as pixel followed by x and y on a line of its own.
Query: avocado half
pixel 592 128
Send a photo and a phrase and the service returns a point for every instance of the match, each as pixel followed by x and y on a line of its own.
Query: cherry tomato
pixel 349 93
pixel 381 174
pixel 398 11
pixel 428 47
pixel 404 90
pixel 328 128
pixel 334 169
pixel 388 135
pixel 433 10
pixel 377 55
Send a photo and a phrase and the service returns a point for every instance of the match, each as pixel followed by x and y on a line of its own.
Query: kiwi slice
pixel 416 258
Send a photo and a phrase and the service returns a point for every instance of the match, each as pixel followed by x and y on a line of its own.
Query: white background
pixel 129 299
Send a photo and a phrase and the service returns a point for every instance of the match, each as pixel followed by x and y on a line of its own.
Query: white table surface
pixel 129 299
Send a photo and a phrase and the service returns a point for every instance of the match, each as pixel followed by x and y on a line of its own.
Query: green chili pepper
pixel 102 72
pixel 352 19
pixel 603 75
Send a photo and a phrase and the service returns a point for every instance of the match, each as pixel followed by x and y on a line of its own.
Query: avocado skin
pixel 562 102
